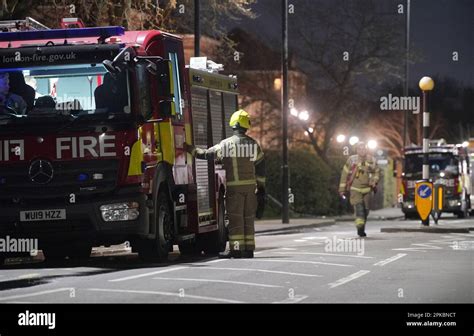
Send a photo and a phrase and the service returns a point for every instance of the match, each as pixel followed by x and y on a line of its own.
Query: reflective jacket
pixel 242 157
pixel 359 174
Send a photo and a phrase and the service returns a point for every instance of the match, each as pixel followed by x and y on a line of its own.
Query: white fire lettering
pixel 88 143
pixel 12 149
pixel 81 146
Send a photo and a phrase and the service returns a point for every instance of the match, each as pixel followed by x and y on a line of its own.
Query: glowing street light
pixel 341 138
pixel 353 140
pixel 310 130
pixel 294 112
pixel 303 116
pixel 372 144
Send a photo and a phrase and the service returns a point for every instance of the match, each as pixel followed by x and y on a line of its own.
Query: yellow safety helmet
pixel 240 118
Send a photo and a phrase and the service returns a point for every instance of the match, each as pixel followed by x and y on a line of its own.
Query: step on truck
pixel 92 147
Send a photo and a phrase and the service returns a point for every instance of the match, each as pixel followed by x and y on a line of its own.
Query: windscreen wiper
pixel 81 116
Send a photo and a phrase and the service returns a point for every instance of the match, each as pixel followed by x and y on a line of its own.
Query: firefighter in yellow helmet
pixel 244 165
pixel 359 177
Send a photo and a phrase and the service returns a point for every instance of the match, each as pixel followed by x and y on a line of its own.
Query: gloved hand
pixel 374 187
pixel 260 193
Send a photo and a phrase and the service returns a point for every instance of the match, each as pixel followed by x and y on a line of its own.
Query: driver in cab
pixel 10 102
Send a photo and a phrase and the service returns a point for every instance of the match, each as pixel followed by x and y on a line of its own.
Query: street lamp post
pixel 197 29
pixel 426 84
pixel 407 64
pixel 285 215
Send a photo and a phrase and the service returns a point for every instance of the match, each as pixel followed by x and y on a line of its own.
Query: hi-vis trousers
pixel 360 199
pixel 241 205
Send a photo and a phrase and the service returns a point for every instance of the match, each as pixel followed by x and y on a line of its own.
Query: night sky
pixel 438 27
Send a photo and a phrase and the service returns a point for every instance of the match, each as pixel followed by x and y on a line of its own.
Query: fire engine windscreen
pixel 74 90
pixel 438 162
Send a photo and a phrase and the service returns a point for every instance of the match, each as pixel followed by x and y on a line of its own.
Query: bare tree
pixel 347 49
pixel 171 15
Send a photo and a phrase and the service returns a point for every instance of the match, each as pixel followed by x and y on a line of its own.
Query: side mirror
pixel 120 62
pixel 164 79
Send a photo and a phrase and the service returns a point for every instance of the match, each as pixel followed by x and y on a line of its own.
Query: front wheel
pixel 162 219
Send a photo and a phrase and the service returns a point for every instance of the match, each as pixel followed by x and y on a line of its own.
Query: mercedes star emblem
pixel 41 171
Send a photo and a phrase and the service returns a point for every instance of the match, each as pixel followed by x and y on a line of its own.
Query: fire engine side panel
pixel 199 104
pixel 230 106
pixel 215 99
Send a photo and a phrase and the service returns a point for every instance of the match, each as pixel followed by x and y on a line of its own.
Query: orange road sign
pixel 424 198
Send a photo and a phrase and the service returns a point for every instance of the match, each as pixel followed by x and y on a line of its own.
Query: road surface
pixel 316 265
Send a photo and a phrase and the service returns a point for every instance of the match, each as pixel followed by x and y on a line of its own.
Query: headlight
pixel 453 203
pixel 120 211
pixel 409 204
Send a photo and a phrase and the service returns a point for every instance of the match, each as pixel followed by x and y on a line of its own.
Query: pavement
pixel 314 264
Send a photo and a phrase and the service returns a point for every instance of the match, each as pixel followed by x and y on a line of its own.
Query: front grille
pixel 15 182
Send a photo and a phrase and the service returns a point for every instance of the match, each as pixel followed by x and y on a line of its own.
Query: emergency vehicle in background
pixel 470 150
pixel 98 159
pixel 449 166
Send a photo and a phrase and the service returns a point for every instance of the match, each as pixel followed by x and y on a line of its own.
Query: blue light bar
pixel 102 32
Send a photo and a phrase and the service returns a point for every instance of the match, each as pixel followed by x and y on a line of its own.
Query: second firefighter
pixel 359 177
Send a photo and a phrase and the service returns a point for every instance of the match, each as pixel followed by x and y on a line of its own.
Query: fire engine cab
pixel 449 167
pixel 92 128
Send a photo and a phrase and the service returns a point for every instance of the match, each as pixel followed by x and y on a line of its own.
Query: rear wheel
pixel 215 242
pixel 159 248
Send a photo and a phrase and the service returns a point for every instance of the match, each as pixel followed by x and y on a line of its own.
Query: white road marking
pixel 295 299
pixel 208 298
pixel 288 249
pixel 346 279
pixel 28 276
pixel 214 261
pixel 300 240
pixel 299 262
pixel 133 277
pixel 317 238
pixel 36 294
pixel 326 254
pixel 419 247
pixel 259 270
pixel 389 260
pixel 220 281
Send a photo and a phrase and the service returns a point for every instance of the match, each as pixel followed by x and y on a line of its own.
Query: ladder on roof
pixel 21 25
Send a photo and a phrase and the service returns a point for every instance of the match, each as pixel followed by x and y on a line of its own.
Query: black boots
pixel 361 231
pixel 235 254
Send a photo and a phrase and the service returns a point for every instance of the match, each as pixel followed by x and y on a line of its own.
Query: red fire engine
pixel 94 153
